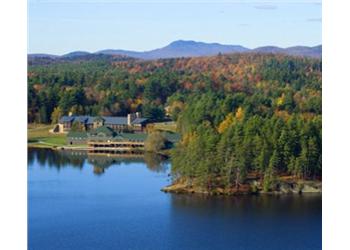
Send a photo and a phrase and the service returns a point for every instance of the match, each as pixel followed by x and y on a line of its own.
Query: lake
pixel 76 201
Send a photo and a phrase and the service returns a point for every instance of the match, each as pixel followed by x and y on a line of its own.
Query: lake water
pixel 85 202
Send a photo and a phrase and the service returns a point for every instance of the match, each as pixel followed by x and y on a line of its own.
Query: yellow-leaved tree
pixel 239 114
pixel 281 100
pixel 227 122
pixel 56 115
pixel 187 138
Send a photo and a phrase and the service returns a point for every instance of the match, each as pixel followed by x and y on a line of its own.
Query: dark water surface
pixel 81 202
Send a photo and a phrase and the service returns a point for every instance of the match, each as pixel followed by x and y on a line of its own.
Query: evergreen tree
pixel 270 172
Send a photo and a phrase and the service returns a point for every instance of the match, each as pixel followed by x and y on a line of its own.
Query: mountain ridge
pixel 190 48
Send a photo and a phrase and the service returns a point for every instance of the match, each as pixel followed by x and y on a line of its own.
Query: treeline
pixel 270 125
pixel 96 88
pixel 104 86
pixel 217 150
pixel 237 113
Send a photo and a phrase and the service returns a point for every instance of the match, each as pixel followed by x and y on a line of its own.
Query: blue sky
pixel 61 26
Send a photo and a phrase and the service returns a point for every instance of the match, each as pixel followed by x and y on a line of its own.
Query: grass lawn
pixel 39 134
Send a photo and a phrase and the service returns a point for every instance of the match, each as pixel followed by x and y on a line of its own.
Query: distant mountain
pixel 44 59
pixel 129 53
pixel 76 54
pixel 268 49
pixel 182 48
pixel 315 51
pixel 38 55
pixel 179 49
pixel 192 49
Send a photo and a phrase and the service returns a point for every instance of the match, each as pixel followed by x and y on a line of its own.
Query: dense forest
pixel 236 113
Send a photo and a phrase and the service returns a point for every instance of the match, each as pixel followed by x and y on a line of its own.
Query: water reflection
pixel 56 159
pixel 124 208
pixel 298 205
pixel 155 162
pixel 77 159
pixel 286 222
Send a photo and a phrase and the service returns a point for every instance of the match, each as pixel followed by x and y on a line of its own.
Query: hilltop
pixel 183 48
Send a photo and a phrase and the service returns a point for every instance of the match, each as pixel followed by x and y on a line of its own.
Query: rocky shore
pixel 282 186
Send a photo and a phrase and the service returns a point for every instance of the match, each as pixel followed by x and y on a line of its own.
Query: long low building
pixel 132 122
pixel 107 141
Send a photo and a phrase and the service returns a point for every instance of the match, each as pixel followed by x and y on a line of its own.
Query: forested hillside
pixel 236 113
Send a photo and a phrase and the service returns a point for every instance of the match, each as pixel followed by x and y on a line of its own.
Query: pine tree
pixel 270 172
pixel 303 161
pixel 313 155
pixel 292 168
pixel 43 117
pixel 262 161
pixel 298 168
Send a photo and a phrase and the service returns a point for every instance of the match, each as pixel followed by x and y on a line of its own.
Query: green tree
pixel 56 115
pixel 155 142
pixel 262 161
pixel 270 173
pixel 43 118
pixel 77 126
pixel 152 111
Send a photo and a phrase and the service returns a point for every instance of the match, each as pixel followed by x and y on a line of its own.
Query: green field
pixel 39 135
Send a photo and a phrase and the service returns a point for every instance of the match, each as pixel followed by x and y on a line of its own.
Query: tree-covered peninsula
pixel 249 122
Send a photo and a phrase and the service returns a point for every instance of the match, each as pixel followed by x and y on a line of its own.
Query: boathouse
pixel 105 140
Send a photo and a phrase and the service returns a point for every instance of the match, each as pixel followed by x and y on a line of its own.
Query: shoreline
pixel 164 153
pixel 182 186
pixel 56 147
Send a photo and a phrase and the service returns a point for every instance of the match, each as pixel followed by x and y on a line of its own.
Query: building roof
pixel 105 133
pixel 134 136
pixel 81 119
pixel 73 134
pixel 115 120
pixel 66 119
pixel 108 120
pixel 139 120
